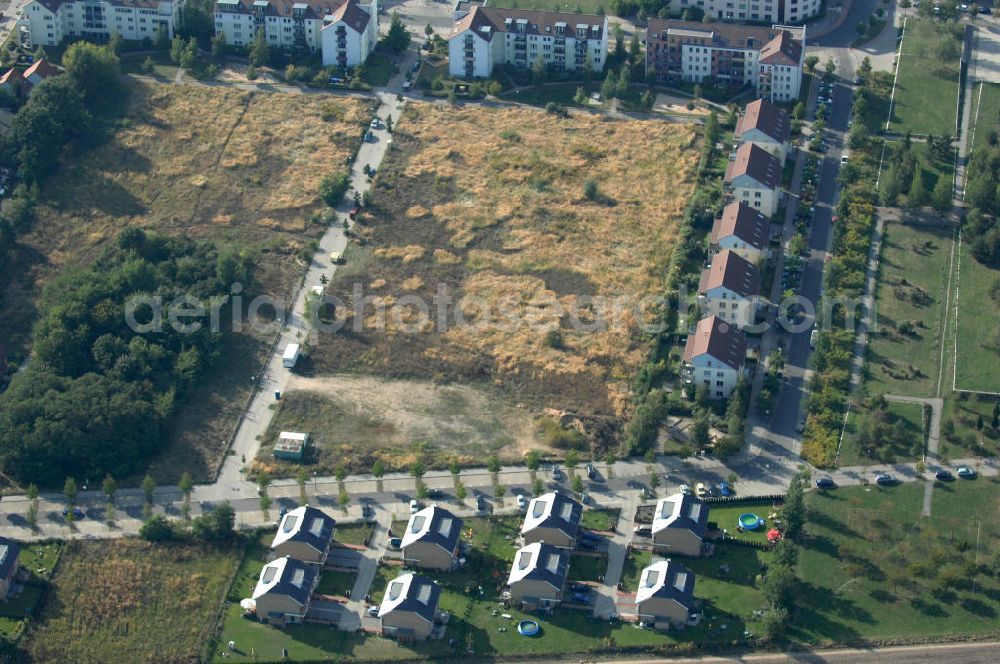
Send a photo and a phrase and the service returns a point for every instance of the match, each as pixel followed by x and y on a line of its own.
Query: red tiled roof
pixel 724 342
pixel 723 35
pixel 744 222
pixel 731 271
pixel 42 68
pixel 756 162
pixel 538 23
pixel 782 50
pixel 765 117
pixel 352 15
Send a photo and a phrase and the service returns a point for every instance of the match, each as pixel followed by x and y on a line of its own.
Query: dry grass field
pixel 490 205
pixel 131 601
pixel 210 163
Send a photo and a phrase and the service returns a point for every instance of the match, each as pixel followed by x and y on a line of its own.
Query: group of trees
pixel 780 582
pixel 906 173
pixel 982 194
pixel 882 435
pixel 98 394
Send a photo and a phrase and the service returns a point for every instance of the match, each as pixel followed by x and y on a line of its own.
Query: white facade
pixel 49 22
pixel 719 378
pixel 765 11
pixel 782 82
pixel 729 306
pixel 741 248
pixel 485 37
pixel 758 196
pixel 347 42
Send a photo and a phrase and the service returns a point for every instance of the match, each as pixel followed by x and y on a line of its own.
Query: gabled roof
pixel 10 76
pixel 314 9
pixel 731 271
pixel 42 68
pixel 433 525
pixel 411 593
pixel 668 580
pixel 9 550
pixel 756 162
pixel 766 118
pixel 286 577
pixel 308 525
pixel 682 511
pixel 497 19
pixel 540 562
pixel 54 5
pixel 351 14
pixel 714 337
pixel 553 510
pixel 744 222
pixel 782 50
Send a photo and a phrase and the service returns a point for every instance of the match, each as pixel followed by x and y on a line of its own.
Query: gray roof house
pixel 283 592
pixel 665 595
pixel 431 539
pixel 9 551
pixel 409 607
pixel 304 533
pixel 538 575
pixel 679 524
pixel 553 518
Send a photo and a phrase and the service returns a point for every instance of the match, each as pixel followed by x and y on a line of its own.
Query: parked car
pixel 825 483
pixel 522 502
pixel 643 530
pixel 844 158
pixel 591 471
pixel 685 489
pixel 557 475
pixel 353 214
pixel 77 513
pixel 885 479
pixel 434 493
pixel 416 65
pixel 375 123
pixel 480 503
pixel 395 542
pixel 966 473
pixel 414 507
pixel 581 598
pixel 725 489
pixel 373 611
pixel 701 490
pixel 944 476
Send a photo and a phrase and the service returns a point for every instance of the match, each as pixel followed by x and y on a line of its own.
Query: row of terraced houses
pixel 344 31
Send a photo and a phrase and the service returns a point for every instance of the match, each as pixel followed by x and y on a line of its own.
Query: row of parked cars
pixel 886 479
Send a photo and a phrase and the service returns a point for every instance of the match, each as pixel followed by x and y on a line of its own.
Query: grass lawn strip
pixel 926 94
pixel 986 109
pixel 978 353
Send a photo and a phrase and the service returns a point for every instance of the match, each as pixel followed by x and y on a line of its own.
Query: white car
pixel 701 490
pixel 375 124
pixel 685 489
pixel 414 507
pixel 522 502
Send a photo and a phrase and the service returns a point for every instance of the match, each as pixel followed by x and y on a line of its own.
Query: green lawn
pixel 926 94
pixel 603 520
pixel 40 560
pixel 335 583
pixel 377 70
pixel 961 436
pixel 986 112
pixel 911 449
pixel 727 516
pixel 162 66
pixel 905 351
pixel 978 335
pixel 354 533
pixel 873 568
pixel 587 568
pixel 579 6
pixel 930 169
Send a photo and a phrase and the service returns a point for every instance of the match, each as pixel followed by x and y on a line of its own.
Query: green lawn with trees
pixel 926 95
pixel 880 431
pixel 873 568
pixel 985 114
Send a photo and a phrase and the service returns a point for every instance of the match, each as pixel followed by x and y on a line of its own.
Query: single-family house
pixel 9 552
pixel 679 525
pixel 284 590
pixel 766 126
pixel 665 596
pixel 754 177
pixel 553 518
pixel 305 533
pixel 431 540
pixel 409 608
pixel 538 575
pixel 741 229
pixel 714 356
pixel 730 289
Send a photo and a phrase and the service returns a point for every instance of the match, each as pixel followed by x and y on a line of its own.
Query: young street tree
pixel 32 514
pixel 398 38
pixel 186 485
pixel 301 478
pixel 110 487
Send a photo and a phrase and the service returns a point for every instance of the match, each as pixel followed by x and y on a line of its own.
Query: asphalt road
pixel 860 11
pixel 797 349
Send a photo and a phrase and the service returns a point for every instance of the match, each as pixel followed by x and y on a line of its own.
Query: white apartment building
pixel 741 229
pixel 730 289
pixel 345 31
pixel 483 37
pixel 49 22
pixel 764 11
pixel 765 125
pixel 714 356
pixel 753 176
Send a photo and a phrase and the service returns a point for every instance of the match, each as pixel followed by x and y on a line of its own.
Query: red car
pixel 353 213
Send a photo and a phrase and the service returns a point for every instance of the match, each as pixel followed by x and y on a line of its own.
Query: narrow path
pixel 933 440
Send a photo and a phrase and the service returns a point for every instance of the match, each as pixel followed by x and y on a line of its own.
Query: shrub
pixel 333 187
